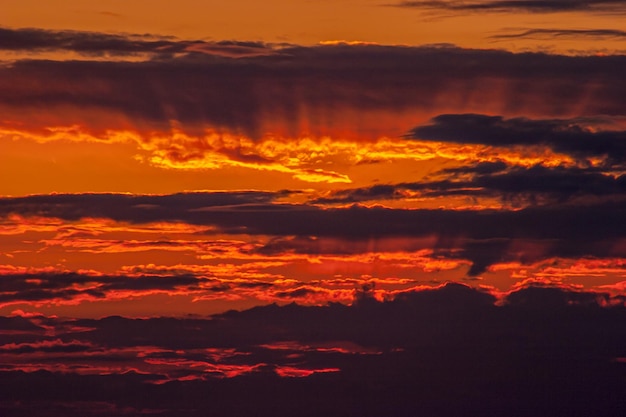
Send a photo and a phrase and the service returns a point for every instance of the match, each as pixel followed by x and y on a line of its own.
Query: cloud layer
pixel 484 237
pixel 370 358
pixel 321 90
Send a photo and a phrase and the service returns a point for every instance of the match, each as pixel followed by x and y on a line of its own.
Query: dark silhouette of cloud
pixel 317 90
pixel 47 346
pixel 100 44
pixel 511 6
pixel 547 33
pixel 569 137
pixel 482 168
pixel 519 185
pixel 449 351
pixel 305 220
pixel 566 230
pixel 18 324
pixel 114 205
pixel 63 286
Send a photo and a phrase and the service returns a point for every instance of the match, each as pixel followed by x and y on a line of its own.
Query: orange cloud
pixel 293 372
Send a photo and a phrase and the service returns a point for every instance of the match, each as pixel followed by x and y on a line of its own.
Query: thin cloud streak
pixel 554 34
pixel 107 44
pixel 512 6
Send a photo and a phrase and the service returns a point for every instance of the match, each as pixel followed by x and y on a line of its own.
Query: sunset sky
pixel 281 172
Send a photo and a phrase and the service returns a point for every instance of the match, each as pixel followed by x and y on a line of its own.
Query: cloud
pixel 481 168
pixel 106 44
pixel 372 358
pixel 330 90
pixel 564 230
pixel 306 220
pixel 554 298
pixel 156 206
pixel 16 288
pixel 18 324
pixel 45 346
pixel 296 112
pixel 553 34
pixel 510 6
pixel 567 136
pixel 520 186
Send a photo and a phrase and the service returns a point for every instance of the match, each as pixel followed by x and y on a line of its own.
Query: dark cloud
pixel 53 286
pixel 565 136
pixel 120 206
pixel 592 229
pixel 510 6
pixel 304 220
pixel 84 42
pixel 375 192
pixel 552 184
pixel 482 168
pixel 18 324
pixel 312 245
pixel 296 292
pixel 316 90
pixel 553 298
pixel 519 185
pixel 449 351
pixel 101 44
pixel 546 33
pixel 46 346
pixel 486 252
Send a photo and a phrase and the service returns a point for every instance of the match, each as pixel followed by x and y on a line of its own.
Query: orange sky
pixel 322 105
pixel 312 207
pixel 311 22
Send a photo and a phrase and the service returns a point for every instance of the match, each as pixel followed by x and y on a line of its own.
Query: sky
pixel 355 200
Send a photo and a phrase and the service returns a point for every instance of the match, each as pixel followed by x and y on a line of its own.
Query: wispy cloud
pixel 107 44
pixel 555 34
pixel 510 6
pixel 519 185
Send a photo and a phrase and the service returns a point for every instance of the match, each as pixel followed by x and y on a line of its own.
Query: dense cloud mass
pixel 569 137
pixel 482 236
pixel 533 185
pixel 318 90
pixel 353 222
pixel 404 357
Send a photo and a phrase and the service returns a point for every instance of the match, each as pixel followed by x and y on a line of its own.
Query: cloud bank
pixel 371 358
pixel 484 236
